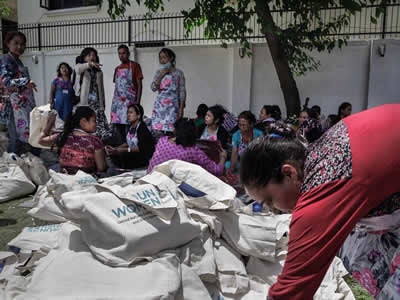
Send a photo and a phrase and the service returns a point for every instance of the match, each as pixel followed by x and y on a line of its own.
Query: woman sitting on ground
pixel 183 147
pixel 265 118
pixel 212 129
pixel 139 146
pixel 242 138
pixel 79 149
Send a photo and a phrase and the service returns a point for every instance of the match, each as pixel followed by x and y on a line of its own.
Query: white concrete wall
pixel 217 75
pixel 384 81
pixel 342 76
pixel 207 69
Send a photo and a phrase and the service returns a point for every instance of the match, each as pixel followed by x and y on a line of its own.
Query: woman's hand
pixel 95 65
pixel 110 150
pixel 32 85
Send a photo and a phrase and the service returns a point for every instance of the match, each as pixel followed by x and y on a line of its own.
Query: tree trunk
pixel 285 75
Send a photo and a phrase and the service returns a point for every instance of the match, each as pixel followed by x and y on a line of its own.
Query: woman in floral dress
pixel 169 83
pixel 128 90
pixel 336 190
pixel 17 92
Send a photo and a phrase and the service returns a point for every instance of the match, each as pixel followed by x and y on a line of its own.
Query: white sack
pixel 122 232
pixel 71 274
pixel 46 199
pixel 157 193
pixel 35 169
pixel 123 179
pixel 14 183
pixel 260 235
pixel 8 261
pixel 38 121
pixel 232 274
pixel 198 254
pixel 35 238
pixel 193 287
pixel 202 189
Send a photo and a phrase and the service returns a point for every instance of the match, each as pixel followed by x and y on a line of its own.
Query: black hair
pixel 316 108
pixel 334 119
pixel 343 106
pixel 184 133
pixel 138 109
pixel 311 129
pixel 85 52
pixel 170 53
pixel 73 122
pixel 268 109
pixel 249 116
pixel 11 34
pixel 124 47
pixel 202 110
pixel 218 112
pixel 67 66
pixel 276 112
pixel 263 159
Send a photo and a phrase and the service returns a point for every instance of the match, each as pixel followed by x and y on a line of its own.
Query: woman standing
pixel 169 82
pixel 61 91
pixel 89 85
pixel 19 88
pixel 128 90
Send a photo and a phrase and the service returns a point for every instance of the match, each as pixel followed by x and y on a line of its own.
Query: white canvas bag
pixel 122 232
pixel 14 183
pixel 35 238
pixel 38 121
pixel 202 189
pixel 232 274
pixel 260 235
pixel 46 199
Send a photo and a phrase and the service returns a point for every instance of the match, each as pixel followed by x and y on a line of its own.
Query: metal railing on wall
pixel 169 29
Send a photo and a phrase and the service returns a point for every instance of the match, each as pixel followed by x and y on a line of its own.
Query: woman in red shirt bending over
pixel 79 149
pixel 327 187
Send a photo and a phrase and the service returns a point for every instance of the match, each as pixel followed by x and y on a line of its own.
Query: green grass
pixel 12 220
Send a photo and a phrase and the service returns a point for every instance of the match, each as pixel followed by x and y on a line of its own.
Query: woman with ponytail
pixel 79 149
pixel 329 187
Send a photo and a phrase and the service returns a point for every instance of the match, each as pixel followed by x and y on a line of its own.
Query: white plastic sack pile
pixel 202 190
pixel 47 205
pixel 121 231
pixel 141 241
pixel 38 121
pixel 13 181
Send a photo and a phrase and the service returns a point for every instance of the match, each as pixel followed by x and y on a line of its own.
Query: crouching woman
pixel 79 149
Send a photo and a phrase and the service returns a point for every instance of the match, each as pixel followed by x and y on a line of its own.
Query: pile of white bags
pixel 150 240
pixel 19 176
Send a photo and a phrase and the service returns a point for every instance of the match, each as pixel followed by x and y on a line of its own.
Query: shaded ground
pixel 13 219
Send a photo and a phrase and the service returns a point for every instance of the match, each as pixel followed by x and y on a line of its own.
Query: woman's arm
pixel 139 90
pixel 234 159
pixel 8 70
pixel 155 84
pixel 52 95
pixel 100 160
pixel 181 94
pixel 211 166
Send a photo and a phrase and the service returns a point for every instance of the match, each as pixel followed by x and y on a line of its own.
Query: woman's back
pixel 167 150
pixel 78 153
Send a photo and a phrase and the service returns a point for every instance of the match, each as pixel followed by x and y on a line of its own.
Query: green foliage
pixel 5 10
pixel 306 27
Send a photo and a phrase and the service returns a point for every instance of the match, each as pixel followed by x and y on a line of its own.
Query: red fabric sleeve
pixel 137 71
pixel 98 144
